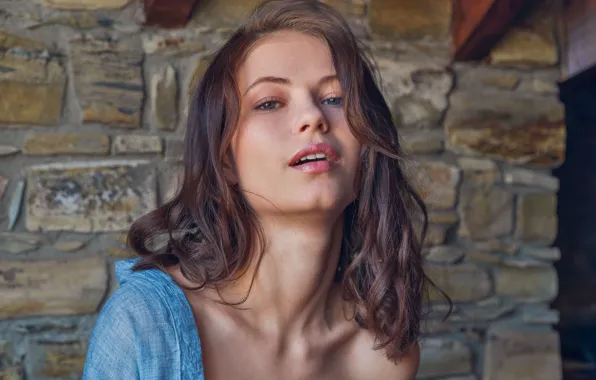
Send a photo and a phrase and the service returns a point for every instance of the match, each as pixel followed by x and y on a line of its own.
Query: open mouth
pixel 310 158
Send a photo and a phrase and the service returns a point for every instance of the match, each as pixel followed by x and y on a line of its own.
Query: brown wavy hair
pixel 210 230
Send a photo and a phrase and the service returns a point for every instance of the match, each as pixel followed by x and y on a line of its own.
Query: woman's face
pixel 292 109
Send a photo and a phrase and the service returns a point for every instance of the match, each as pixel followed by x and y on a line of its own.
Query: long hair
pixel 209 229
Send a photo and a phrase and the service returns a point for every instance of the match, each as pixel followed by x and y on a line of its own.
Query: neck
pixel 293 280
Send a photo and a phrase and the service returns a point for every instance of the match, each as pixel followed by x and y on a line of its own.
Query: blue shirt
pixel 146 331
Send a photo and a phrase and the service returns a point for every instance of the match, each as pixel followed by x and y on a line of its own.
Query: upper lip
pixel 324 148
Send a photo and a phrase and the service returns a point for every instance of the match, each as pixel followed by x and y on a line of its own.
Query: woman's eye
pixel 335 101
pixel 268 105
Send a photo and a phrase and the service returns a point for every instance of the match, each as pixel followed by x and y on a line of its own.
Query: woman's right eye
pixel 268 105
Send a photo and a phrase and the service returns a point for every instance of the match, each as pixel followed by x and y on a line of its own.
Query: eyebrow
pixel 286 81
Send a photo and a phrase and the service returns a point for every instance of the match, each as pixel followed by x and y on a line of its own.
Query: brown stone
pixel 90 196
pixel 516 128
pixel 349 8
pixel 421 141
pixel 485 212
pixel 503 81
pixel 222 13
pixel 544 87
pixel 3 183
pixel 463 283
pixel 537 218
pixel 437 183
pixel 164 99
pixel 443 217
pixel 521 352
pixel 57 360
pixel 131 144
pixel 66 143
pixel 8 150
pixel 530 43
pixel 79 5
pixel 474 77
pixel 197 75
pixel 532 283
pixel 33 81
pixel 525 177
pixel 113 96
pixel 484 257
pixel 411 19
pixel 52 286
pixel 443 357
pixel 173 42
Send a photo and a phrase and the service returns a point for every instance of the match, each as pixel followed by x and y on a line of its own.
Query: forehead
pixel 286 54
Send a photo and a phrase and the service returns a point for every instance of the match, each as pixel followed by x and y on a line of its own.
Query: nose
pixel 311 119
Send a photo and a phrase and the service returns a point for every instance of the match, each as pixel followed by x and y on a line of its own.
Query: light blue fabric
pixel 145 331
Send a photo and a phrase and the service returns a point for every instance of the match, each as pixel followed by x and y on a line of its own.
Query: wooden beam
pixel 479 24
pixel 168 13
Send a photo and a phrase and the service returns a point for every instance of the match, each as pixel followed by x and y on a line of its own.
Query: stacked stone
pixel 92 112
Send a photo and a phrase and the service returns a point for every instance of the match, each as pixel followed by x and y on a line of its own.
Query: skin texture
pixel 294 323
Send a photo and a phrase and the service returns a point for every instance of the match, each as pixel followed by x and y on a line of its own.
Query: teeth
pixel 313 157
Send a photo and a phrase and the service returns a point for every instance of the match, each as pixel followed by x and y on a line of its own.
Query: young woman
pixel 292 250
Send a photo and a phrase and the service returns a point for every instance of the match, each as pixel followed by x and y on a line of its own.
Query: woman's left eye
pixel 334 101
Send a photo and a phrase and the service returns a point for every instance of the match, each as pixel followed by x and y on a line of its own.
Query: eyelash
pixel 276 100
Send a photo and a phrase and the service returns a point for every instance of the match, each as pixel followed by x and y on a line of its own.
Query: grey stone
pixel 478 170
pixel 8 150
pixel 537 218
pixel 530 283
pixel 444 254
pixel 443 357
pixel 137 144
pixel 421 141
pixel 437 183
pixel 543 253
pixel 20 242
pixel 56 360
pixel 518 176
pixel 164 98
pixel 540 315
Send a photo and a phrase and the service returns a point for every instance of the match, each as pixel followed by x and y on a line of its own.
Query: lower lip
pixel 314 167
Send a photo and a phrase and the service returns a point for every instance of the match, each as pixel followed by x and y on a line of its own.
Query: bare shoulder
pixel 374 364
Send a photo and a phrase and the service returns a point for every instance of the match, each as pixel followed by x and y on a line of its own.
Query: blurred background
pixel 495 102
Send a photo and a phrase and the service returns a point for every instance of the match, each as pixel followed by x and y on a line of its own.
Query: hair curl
pixel 210 230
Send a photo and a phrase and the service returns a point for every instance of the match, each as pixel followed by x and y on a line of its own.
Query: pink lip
pixel 315 166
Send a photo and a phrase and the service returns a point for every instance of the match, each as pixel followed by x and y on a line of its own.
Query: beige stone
pixel 516 128
pixel 90 196
pixel 131 144
pixel 20 242
pixel 463 283
pixel 52 286
pixel 521 352
pixel 545 87
pixel 435 235
pixel 443 217
pixel 531 43
pixel 164 96
pixel 537 218
pixel 504 81
pixel 411 19
pixel 68 246
pixel 113 96
pixel 443 357
pixel 33 76
pixel 525 177
pixel 416 141
pixel 485 212
pixel 444 254
pixel 532 283
pixel 66 143
pixel 543 253
pixel 79 5
pixel 478 170
pixel 58 360
pixel 173 42
pixel 437 183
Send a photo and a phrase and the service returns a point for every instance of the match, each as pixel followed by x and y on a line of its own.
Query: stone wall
pixel 92 111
